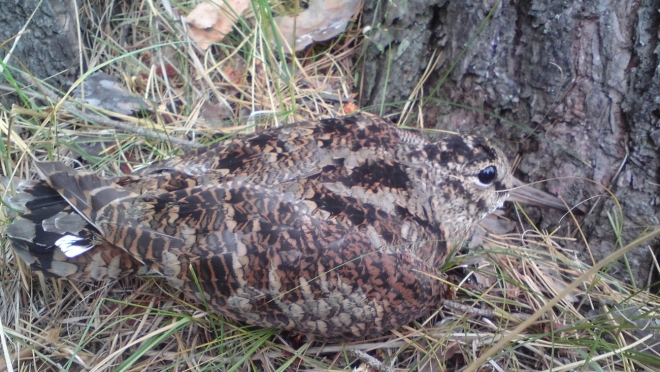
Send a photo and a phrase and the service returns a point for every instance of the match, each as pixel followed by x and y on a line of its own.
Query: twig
pixel 488 313
pixel 47 93
pixel 600 357
pixel 369 360
pixel 128 127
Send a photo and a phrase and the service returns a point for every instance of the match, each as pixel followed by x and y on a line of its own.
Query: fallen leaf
pixel 322 20
pixel 552 278
pixel 210 21
pixel 350 107
pixel 212 114
pixel 477 268
pixel 235 70
pixel 102 90
pixel 205 15
pixel 170 70
pixel 437 360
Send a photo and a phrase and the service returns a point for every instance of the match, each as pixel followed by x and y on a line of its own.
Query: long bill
pixel 526 194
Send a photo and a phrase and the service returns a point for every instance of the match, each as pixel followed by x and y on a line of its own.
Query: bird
pixel 337 229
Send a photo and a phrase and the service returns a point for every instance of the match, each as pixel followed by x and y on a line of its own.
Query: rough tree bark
pixel 582 75
pixel 42 36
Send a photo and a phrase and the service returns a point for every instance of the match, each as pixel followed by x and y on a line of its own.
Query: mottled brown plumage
pixel 336 229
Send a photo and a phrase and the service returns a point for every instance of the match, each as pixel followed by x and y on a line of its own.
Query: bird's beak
pixel 526 194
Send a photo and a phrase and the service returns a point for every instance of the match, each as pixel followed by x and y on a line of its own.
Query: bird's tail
pixel 54 236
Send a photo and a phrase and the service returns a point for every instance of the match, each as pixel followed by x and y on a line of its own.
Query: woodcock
pixel 336 229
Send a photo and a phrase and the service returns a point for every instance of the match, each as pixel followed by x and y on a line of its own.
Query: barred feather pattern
pixel 336 229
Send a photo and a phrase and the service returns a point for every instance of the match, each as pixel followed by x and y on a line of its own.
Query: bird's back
pixel 322 228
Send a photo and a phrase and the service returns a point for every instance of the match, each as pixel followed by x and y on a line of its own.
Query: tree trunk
pixel 42 39
pixel 580 79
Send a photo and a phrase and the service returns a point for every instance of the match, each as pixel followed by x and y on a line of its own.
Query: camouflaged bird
pixel 336 229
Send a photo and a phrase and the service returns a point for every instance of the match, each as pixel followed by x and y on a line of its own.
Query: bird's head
pixel 459 181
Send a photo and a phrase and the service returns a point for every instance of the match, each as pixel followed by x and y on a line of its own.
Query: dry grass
pixel 140 324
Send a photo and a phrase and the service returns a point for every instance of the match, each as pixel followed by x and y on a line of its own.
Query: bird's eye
pixel 488 175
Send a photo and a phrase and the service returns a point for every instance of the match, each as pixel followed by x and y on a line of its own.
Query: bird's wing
pixel 265 255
